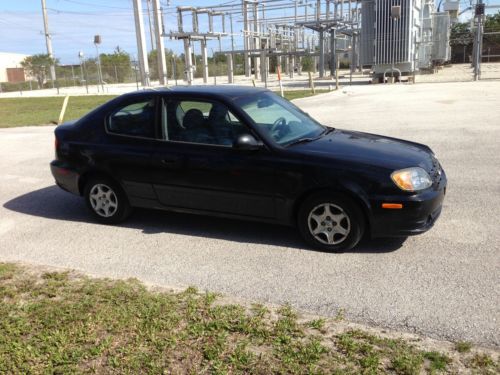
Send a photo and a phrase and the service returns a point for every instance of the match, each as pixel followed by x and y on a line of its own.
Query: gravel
pixel 443 284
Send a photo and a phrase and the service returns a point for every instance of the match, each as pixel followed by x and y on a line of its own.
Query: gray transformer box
pixel 413 37
pixel 386 40
pixel 441 50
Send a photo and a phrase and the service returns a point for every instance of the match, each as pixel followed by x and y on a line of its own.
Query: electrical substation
pixel 287 44
pixel 390 39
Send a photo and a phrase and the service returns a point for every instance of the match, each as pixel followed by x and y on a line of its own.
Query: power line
pixel 59 11
pixel 95 5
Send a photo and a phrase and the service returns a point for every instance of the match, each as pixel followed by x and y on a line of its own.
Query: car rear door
pixel 131 134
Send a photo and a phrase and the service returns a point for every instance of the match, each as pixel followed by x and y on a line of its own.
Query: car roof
pixel 225 91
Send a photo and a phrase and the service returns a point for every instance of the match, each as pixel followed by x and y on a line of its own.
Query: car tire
pixel 331 222
pixel 106 200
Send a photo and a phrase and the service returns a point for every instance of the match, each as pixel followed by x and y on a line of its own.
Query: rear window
pixel 134 119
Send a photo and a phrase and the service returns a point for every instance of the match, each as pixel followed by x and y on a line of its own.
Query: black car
pixel 246 153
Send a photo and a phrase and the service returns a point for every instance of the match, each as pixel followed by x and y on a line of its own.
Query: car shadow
pixel 53 203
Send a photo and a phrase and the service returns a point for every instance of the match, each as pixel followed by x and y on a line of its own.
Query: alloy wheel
pixel 103 200
pixel 329 224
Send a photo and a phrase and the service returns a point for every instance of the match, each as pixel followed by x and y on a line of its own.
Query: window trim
pixel 167 98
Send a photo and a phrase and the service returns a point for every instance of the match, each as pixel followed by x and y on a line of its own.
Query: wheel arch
pixel 94 173
pixel 357 197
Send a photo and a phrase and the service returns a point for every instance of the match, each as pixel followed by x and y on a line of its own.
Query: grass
pixel 463 346
pixel 45 110
pixel 297 94
pixel 58 322
pixel 438 362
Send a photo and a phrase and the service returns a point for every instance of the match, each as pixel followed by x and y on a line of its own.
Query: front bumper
pixel 66 178
pixel 418 215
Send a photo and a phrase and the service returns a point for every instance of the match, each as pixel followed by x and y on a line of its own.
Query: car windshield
pixel 281 120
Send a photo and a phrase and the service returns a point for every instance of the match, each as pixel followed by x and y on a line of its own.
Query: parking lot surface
pixel 444 283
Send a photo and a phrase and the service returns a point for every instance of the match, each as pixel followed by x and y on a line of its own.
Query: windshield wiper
pixel 302 140
pixel 309 139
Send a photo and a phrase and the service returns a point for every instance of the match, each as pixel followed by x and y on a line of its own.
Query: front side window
pixel 280 119
pixel 134 119
pixel 201 122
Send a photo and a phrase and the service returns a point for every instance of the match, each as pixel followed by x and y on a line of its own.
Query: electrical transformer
pixel 402 36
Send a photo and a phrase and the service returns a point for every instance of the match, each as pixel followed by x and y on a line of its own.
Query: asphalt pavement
pixel 443 284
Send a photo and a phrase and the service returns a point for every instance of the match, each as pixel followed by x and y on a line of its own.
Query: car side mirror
pixel 247 142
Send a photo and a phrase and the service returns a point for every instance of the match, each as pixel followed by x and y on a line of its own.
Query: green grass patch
pixel 317 324
pixel 463 346
pixel 7 271
pixel 438 362
pixel 58 322
pixel 407 363
pixel 484 363
pixel 297 94
pixel 45 110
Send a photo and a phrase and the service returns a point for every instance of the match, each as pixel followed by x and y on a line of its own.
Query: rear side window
pixel 185 106
pixel 202 122
pixel 134 119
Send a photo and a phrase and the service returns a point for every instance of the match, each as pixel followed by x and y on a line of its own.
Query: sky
pixel 73 24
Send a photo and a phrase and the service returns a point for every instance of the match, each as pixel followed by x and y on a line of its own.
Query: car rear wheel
pixel 106 200
pixel 331 222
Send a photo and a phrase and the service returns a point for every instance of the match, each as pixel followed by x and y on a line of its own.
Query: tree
pixel 153 63
pixel 169 56
pixel 460 34
pixel 461 40
pixel 37 66
pixel 492 22
pixel 307 64
pixel 491 43
pixel 116 66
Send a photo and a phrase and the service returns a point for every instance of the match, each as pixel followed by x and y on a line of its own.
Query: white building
pixel 8 64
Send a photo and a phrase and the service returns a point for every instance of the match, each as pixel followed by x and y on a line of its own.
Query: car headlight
pixel 411 179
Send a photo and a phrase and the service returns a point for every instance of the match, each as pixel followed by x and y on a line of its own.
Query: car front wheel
pixel 106 201
pixel 331 222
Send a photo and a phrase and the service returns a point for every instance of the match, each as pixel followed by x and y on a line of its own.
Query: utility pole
pixel 479 13
pixel 256 39
pixel 230 68
pixel 83 69
pixel 232 34
pixel 321 53
pixel 97 41
pixel 204 59
pixel 188 55
pixel 141 43
pixel 151 34
pixel 263 46
pixel 246 38
pixel 48 41
pixel 160 48
pixel 174 68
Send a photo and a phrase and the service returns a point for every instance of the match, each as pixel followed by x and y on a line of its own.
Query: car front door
pixel 196 167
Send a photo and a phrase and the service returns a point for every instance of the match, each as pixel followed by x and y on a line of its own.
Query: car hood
pixel 370 149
